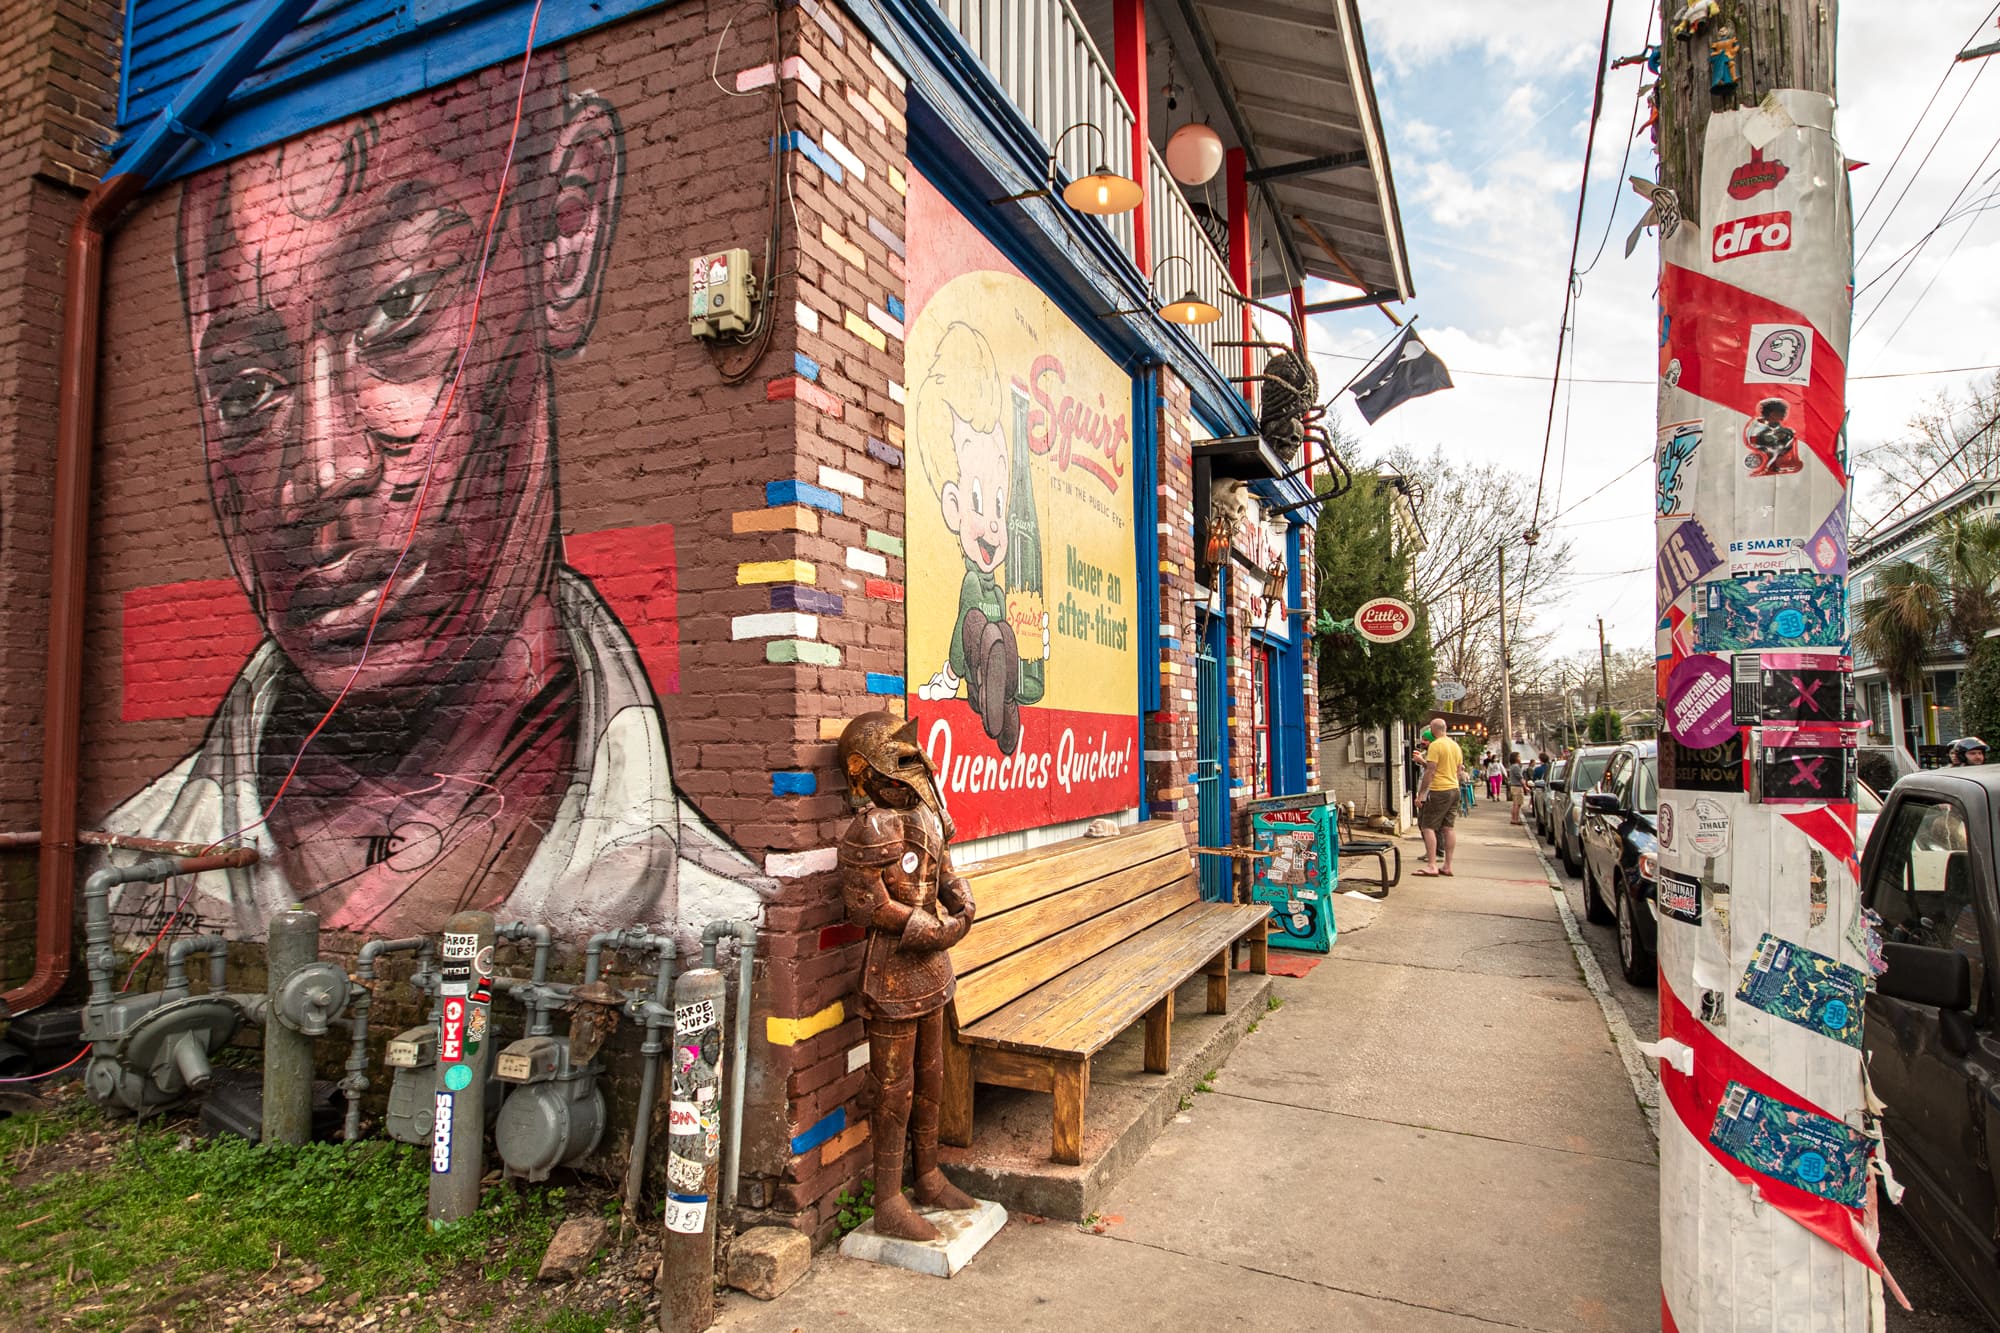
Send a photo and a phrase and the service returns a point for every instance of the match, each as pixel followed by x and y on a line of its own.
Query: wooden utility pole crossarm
pixel 1765 1180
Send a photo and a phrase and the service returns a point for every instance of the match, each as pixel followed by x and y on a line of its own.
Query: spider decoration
pixel 1289 413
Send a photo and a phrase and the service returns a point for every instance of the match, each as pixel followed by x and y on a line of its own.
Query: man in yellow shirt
pixel 1438 814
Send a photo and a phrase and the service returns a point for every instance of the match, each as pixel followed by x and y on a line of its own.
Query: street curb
pixel 1645 1082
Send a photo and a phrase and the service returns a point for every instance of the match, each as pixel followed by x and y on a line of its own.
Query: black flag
pixel 1409 370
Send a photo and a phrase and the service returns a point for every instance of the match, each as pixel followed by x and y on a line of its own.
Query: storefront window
pixel 1944 707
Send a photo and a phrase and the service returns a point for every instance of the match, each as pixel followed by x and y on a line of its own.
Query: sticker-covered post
pixel 465 1050
pixel 1766 1148
pixel 694 1154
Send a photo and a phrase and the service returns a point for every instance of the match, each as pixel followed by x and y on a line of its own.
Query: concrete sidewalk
pixel 1432 1132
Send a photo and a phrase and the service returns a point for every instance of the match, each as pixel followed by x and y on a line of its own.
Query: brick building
pixel 428 552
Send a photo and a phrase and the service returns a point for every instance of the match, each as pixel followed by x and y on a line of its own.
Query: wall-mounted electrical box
pixel 722 294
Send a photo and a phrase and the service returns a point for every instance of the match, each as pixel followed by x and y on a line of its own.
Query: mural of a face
pixel 376 392
pixel 330 288
pixel 975 506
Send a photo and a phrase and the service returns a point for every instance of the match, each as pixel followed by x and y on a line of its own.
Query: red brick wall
pixel 58 67
pixel 1170 732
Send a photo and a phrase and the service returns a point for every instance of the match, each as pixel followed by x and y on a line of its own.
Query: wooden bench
pixel 1073 944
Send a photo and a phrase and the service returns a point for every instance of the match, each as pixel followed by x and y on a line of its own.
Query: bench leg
pixel 955 1095
pixel 1072 1086
pixel 1260 953
pixel 1159 1032
pixel 1217 973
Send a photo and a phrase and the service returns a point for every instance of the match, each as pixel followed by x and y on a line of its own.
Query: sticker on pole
pixel 1709 835
pixel 451 1030
pixel 441 1134
pixel 1717 768
pixel 1679 896
pixel 1806 1151
pixel 1698 702
pixel 694 1017
pixel 1818 993
pixel 459 946
pixel 684 1173
pixel 683 1118
pixel 686 1213
pixel 1685 556
pixel 1384 620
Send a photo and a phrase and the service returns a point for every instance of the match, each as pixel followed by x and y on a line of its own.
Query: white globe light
pixel 1194 154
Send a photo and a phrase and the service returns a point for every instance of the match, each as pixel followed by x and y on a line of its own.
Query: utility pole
pixel 1604 680
pixel 1506 672
pixel 1764 1182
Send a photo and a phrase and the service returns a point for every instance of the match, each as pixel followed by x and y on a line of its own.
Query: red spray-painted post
pixel 1765 1141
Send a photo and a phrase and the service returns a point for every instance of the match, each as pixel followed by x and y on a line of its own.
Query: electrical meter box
pixel 722 294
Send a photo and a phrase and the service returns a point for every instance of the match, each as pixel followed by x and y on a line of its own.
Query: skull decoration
pixel 885 764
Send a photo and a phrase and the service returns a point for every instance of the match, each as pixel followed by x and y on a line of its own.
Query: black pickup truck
pixel 1930 871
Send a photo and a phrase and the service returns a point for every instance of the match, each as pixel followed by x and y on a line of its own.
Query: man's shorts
pixel 1440 810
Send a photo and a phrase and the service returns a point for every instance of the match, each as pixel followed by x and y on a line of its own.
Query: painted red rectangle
pixel 1067 765
pixel 183 644
pixel 883 590
pixel 634 570
pixel 451 1043
pixel 832 937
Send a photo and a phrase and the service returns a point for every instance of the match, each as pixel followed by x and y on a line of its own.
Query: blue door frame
pixel 1212 756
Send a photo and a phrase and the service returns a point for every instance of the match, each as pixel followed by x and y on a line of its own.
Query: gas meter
pixel 554 1115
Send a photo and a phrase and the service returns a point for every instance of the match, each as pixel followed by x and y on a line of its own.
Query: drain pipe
pixel 148 154
pixel 656 1014
pixel 356 1081
pixel 746 957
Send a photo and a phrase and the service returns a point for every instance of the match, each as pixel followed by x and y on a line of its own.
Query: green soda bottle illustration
pixel 1025 602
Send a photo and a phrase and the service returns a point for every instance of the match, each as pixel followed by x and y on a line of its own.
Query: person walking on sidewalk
pixel 1436 819
pixel 1466 778
pixel 1517 788
pixel 1492 778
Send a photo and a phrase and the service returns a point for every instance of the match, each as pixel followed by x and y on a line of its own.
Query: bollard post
pixel 694 1151
pixel 458 1134
pixel 288 1053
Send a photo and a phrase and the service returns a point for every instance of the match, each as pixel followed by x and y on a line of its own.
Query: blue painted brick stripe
pixel 794 784
pixel 803 493
pixel 885 453
pixel 801 142
pixel 807 368
pixel 894 305
pixel 829 1125
pixel 881 682
pixel 797 597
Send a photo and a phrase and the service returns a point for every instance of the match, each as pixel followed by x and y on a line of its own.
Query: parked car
pixel 1928 1028
pixel 1880 765
pixel 1541 796
pixel 1621 854
pixel 1867 805
pixel 1586 766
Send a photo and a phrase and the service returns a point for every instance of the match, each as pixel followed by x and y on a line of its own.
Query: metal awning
pixel 1292 79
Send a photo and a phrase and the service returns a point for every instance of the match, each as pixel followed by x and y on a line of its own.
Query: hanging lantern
pixel 1194 154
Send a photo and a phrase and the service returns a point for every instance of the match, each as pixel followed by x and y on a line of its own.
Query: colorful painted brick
pixel 777 571
pixel 841 246
pixel 885 543
pixel 792 1031
pixel 867 562
pixel 791 386
pixel 798 141
pixel 794 783
pixel 789 597
pixel 883 452
pixel 836 480
pixel 779 518
pixel 797 865
pixel 865 331
pixel 789 652
pixel 774 625
pixel 792 492
pixel 883 591
pixel 881 682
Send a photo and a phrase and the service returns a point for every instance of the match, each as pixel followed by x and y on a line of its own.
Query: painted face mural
pixel 377 398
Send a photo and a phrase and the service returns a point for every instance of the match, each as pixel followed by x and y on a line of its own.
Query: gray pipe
pixel 746 958
pixel 97 955
pixel 217 949
pixel 542 1000
pixel 356 1081
pixel 656 1014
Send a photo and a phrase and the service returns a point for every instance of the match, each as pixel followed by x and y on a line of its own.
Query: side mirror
pixel 1920 974
pixel 1603 802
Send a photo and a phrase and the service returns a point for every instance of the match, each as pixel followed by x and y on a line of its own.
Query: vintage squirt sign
pixel 465 1009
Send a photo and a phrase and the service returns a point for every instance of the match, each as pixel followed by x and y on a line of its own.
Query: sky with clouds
pixel 1487 108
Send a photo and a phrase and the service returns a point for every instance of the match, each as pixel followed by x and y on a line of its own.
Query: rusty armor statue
pixel 899 885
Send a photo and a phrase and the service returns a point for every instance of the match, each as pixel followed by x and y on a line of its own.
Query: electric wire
pixel 1970 439
pixel 1907 260
pixel 1919 169
pixel 1631 132
pixel 1654 383
pixel 1890 173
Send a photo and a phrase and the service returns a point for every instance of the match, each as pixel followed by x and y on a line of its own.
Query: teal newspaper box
pixel 1298 875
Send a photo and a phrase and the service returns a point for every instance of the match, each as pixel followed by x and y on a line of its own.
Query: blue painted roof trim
pixel 431 43
pixel 974 145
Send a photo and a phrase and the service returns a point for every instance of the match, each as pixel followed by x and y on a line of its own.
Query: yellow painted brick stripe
pixel 865 331
pixel 778 518
pixel 792 1031
pixel 777 571
pixel 897 181
pixel 841 246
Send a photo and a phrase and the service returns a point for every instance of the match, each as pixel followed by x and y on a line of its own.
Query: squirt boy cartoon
pixel 968 460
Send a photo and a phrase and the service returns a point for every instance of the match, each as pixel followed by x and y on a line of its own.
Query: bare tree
pixel 1954 439
pixel 1470 511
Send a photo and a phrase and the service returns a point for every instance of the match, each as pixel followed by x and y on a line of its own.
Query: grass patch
pixel 1273 1003
pixel 1207 1083
pixel 156 1212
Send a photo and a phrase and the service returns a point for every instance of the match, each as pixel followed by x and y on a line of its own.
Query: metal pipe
pixel 539 996
pixel 656 1015
pixel 99 838
pixel 746 959
pixel 356 1081
pixel 144 156
pixel 178 953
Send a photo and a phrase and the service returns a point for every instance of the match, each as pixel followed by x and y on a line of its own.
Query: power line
pixel 1631 132
pixel 1904 193
pixel 1890 173
pixel 1653 383
pixel 1932 476
pixel 1575 246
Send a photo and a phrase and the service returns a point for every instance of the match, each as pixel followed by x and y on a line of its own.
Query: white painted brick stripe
pixel 807 317
pixel 797 865
pixel 844 155
pixel 885 321
pixel 883 63
pixel 868 562
pixel 857 1057
pixel 895 392
pixel 775 625
pixel 844 482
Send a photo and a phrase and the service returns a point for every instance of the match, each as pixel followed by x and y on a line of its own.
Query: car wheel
pixel 1595 910
pixel 1635 960
pixel 1566 856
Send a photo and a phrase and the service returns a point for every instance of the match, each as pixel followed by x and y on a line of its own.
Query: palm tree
pixel 1916 610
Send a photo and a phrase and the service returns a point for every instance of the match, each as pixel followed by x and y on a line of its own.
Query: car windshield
pixel 1589 768
pixel 1646 786
pixel 1866 802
